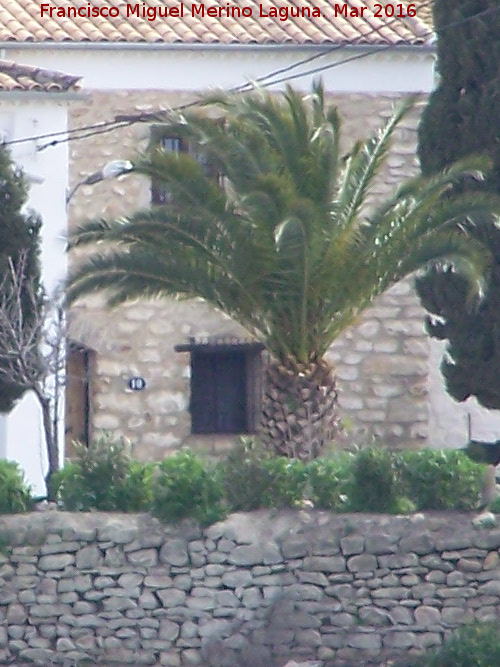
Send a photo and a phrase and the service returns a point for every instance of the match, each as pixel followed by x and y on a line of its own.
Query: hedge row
pixel 105 477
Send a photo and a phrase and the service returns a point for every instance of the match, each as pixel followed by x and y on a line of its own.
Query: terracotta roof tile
pixel 21 21
pixel 26 78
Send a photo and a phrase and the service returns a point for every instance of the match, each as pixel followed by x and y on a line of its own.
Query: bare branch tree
pixel 32 348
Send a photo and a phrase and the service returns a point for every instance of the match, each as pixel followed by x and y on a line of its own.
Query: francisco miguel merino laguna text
pixel 141 10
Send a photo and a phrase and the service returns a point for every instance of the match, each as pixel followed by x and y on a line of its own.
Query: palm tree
pixel 284 243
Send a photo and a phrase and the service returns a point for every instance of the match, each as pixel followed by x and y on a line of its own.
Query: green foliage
pixel 441 479
pixel 19 232
pixel 463 118
pixel 474 645
pixel 135 492
pixel 243 477
pixel 286 482
pixel 277 247
pixel 68 487
pixel 287 245
pixel 495 506
pixel 463 113
pixel 252 478
pixel 14 493
pixel 375 479
pixel 182 487
pixel 328 480
pixel 374 486
pixel 104 477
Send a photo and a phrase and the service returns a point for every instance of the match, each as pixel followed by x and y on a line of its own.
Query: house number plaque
pixel 137 383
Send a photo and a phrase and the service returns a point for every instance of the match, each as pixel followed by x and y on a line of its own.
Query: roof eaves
pixel 36 94
pixel 429 46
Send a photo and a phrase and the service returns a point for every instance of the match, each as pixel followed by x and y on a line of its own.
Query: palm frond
pixel 287 246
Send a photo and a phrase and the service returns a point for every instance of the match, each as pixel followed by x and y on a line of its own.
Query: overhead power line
pixel 122 121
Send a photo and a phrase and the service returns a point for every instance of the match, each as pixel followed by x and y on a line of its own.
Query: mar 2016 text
pixel 283 13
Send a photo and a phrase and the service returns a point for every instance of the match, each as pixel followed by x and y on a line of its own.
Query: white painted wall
pixel 196 69
pixel 448 419
pixel 21 436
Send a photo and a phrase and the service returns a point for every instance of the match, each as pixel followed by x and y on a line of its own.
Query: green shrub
pixel 104 477
pixel 69 488
pixel 286 482
pixel 441 480
pixel 182 487
pixel 244 479
pixel 374 486
pixel 328 480
pixel 495 506
pixel 135 492
pixel 14 493
pixel 252 478
pixel 475 645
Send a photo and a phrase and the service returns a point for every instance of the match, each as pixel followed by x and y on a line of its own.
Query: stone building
pixel 387 368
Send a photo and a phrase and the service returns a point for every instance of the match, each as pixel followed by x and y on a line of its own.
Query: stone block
pixel 396 593
pixel 456 616
pixel 191 656
pixel 417 543
pixel 304 592
pixel 170 597
pixel 325 563
pixel 55 562
pixel 237 579
pixel 398 561
pixel 316 578
pixel 400 640
pixel 247 555
pixel 143 558
pixel 343 620
pixel 427 616
pixel 488 539
pixel 118 604
pixel 174 552
pixel 16 614
pixel 88 557
pixel 374 616
pixel 372 640
pixel 491 561
pixel 40 656
pixel 490 588
pixel 352 545
pixel 168 630
pixel 362 563
pixel 202 603
pixel 295 548
pixel 380 543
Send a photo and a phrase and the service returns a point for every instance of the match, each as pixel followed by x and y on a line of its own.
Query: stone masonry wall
pixel 381 363
pixel 256 589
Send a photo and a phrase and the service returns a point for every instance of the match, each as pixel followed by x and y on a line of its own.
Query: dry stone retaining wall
pixel 256 589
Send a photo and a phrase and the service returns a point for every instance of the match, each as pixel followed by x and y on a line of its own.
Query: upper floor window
pixel 159 192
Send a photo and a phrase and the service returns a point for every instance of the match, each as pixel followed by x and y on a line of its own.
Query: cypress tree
pixel 463 117
pixel 19 232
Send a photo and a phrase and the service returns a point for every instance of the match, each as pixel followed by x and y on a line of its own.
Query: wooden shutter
pixel 226 386
pixel 203 397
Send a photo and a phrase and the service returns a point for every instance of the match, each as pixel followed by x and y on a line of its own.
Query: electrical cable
pixel 123 121
pixel 119 121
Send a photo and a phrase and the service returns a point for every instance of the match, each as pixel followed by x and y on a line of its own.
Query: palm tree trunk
pixel 299 413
